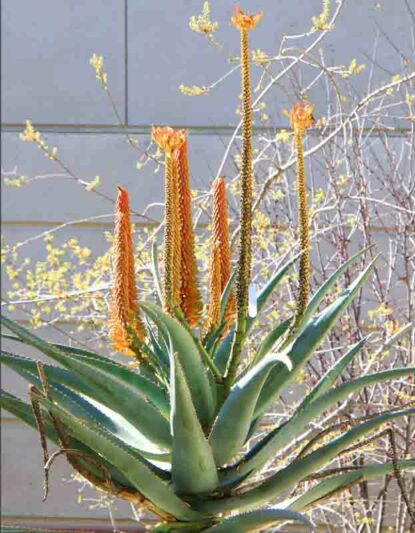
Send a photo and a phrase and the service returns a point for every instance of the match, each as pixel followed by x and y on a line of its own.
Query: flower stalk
pixel 301 119
pixel 244 23
pixel 126 325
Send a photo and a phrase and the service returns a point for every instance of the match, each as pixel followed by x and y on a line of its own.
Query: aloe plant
pixel 170 434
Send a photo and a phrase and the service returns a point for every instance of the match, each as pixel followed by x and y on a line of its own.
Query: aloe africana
pixel 171 436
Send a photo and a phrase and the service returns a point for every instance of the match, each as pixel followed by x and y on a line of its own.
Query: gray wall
pixel 149 51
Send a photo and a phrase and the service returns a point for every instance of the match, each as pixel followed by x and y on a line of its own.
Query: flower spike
pixel 244 23
pixel 171 141
pixel 301 118
pixel 190 301
pixel 125 318
pixel 221 236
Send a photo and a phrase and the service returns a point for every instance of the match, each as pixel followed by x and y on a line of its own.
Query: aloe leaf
pixel 234 420
pixel 113 450
pixel 190 360
pixel 283 435
pixel 270 339
pixel 303 347
pixel 115 392
pixel 223 352
pixel 257 520
pixel 288 477
pixel 320 294
pixel 337 483
pixel 193 466
pixel 144 386
pixel 60 379
pixel 266 291
pixel 335 371
pixel 24 412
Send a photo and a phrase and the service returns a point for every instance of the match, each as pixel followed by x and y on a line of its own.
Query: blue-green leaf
pixel 263 520
pixel 234 420
pixel 303 347
pixel 114 391
pixel 113 450
pixel 193 466
pixel 182 343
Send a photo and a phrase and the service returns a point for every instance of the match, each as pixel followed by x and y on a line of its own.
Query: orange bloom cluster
pixel 245 21
pixel 190 301
pixel 301 117
pixel 125 322
pixel 180 276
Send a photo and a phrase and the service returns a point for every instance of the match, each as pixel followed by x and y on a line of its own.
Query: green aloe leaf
pixel 24 412
pixel 283 435
pixel 234 420
pixel 257 520
pixel 337 483
pixel 320 294
pixel 303 347
pixel 223 352
pixel 193 466
pixel 190 360
pixel 288 477
pixel 144 386
pixel 91 408
pixel 328 380
pixel 115 392
pixel 270 339
pixel 114 451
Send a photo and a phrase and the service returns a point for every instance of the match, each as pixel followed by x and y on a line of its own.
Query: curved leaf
pixel 190 360
pixel 223 352
pixel 23 411
pixel 91 408
pixel 144 386
pixel 303 347
pixel 329 379
pixel 319 295
pixel 113 390
pixel 114 451
pixel 257 520
pixel 337 483
pixel 234 420
pixel 288 477
pixel 283 435
pixel 270 339
pixel 193 466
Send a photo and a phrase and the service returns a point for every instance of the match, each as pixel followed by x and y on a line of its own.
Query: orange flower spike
pixel 245 21
pixel 171 141
pixel 215 289
pixel 190 301
pixel 125 317
pixel 221 236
